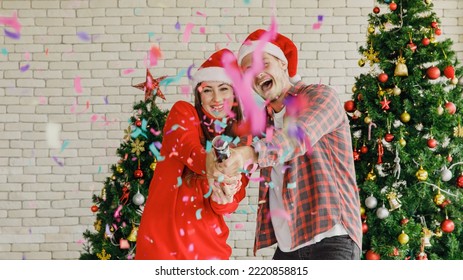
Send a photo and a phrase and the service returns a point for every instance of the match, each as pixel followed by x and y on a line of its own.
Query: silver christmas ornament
pixel 371 202
pixel 138 198
pixel 382 213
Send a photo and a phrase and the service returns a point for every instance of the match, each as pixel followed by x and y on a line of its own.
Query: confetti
pixel 202 30
pixel 57 161
pixel 239 226
pixel 42 100
pixel 64 145
pixel 12 35
pixel 187 33
pixel 4 51
pixel 318 24
pixel 11 22
pixel 198 214
pixel 99 169
pixel 77 86
pixel 291 185
pixel 209 192
pixel 46 51
pixel 155 132
pixel 93 118
pixel 83 36
pixel 201 14
pixel 150 34
pixel 178 26
pixel 53 134
pixel 127 71
pixel 154 54
pixel 105 100
pixel 188 72
pixel 24 68
pixel 185 89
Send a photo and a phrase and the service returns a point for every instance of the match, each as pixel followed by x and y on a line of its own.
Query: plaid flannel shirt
pixel 319 188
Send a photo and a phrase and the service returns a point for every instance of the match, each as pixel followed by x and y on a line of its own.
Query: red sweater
pixel 178 221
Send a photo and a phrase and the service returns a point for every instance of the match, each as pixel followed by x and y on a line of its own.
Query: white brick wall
pixel 44 208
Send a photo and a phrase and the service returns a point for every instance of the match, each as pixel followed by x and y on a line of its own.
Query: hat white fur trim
pixel 269 47
pixel 217 74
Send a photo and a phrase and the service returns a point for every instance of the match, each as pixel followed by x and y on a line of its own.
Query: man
pixel 308 198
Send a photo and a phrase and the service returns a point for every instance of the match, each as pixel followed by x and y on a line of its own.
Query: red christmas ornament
pixel 395 252
pixel 370 255
pixel 412 46
pixel 393 6
pixel 432 143
pixel 385 103
pixel 449 158
pixel 356 155
pixel 433 72
pixel 389 137
pixel 449 72
pixel 433 24
pixel 382 77
pixel 447 226
pixel 364 227
pixel 138 173
pixel 404 221
pixel 445 203
pixel 151 85
pixel 460 181
pixel 425 41
pixel 376 10
pixel 364 149
pixel 349 106
pixel 438 31
pixel 450 107
pixel 94 208
pixel 138 123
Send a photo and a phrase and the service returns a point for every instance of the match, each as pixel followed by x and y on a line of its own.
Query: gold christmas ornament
pixel 371 176
pixel 401 69
pixel 427 234
pixel 361 62
pixel 439 198
pixel 405 117
pixel 153 165
pixel 133 235
pixel 138 147
pixel 97 225
pixel 371 29
pixel 128 133
pixel 403 238
pixel 380 91
pixel 119 169
pixel 402 142
pixel 458 131
pixel 371 55
pixel 438 232
pixel 421 174
pixel 103 255
pixel 394 201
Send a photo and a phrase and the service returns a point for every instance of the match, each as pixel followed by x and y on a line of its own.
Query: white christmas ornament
pixel 371 202
pixel 446 174
pixel 382 213
pixel 138 198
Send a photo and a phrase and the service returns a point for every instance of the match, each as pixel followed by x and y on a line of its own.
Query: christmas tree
pixel 119 206
pixel 406 121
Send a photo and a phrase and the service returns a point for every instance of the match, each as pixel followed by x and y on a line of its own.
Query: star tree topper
pixel 151 85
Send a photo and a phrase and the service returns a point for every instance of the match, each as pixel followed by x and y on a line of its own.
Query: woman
pixel 183 217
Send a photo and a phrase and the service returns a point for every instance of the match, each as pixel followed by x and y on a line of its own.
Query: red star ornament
pixel 151 85
pixel 385 104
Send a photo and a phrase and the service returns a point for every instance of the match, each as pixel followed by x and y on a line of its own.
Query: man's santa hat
pixel 280 46
pixel 213 69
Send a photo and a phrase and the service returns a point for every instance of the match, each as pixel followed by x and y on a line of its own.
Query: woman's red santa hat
pixel 213 69
pixel 281 47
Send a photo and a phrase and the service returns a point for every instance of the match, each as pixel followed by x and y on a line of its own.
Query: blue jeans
pixel 333 248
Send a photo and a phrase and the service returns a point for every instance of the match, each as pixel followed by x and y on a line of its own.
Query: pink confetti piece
pixel 280 213
pixel 201 14
pixel 93 118
pixel 27 56
pixel 77 85
pixel 316 26
pixel 269 134
pixel 154 55
pixel 218 230
pixel 24 68
pixel 187 33
pixel 42 100
pixel 80 241
pixel 57 161
pixel 202 30
pixel 185 90
pixel 12 22
pixel 182 232
pixel 46 51
pixel 83 36
pixel 155 132
pixel 239 226
pixel 127 71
